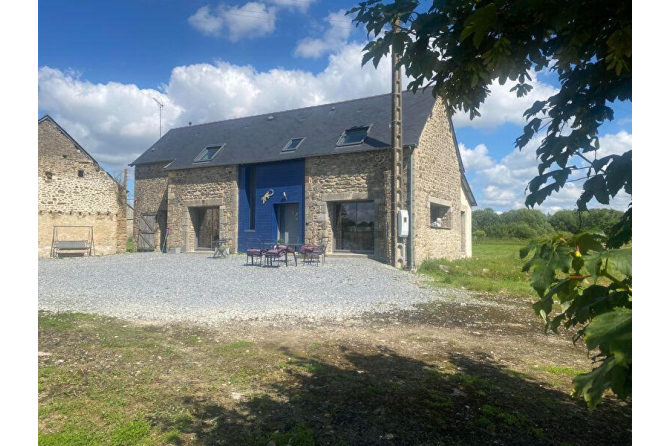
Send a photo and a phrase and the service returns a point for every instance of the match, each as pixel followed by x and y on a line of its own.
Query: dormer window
pixel 207 154
pixel 353 136
pixel 292 145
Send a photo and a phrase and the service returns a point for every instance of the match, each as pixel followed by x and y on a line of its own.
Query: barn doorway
pixel 206 228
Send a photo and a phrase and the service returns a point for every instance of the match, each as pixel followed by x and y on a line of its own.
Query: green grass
pixel 495 267
pixel 112 382
pixel 130 245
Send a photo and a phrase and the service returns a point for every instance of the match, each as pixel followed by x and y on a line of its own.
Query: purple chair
pixel 254 251
pixel 278 251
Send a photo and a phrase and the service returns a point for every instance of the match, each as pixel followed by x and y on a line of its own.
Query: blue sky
pixel 102 63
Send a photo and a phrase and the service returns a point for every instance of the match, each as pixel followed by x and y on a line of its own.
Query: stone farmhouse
pixel 319 174
pixel 76 196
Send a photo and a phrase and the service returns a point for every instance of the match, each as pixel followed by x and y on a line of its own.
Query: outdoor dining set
pixel 269 252
pixel 272 251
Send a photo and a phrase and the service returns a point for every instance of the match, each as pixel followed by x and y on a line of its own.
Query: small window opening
pixel 353 136
pixel 292 145
pixel 207 154
pixel 440 216
pixel 49 175
pixel 80 173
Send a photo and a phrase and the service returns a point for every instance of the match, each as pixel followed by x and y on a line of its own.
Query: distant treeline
pixel 529 223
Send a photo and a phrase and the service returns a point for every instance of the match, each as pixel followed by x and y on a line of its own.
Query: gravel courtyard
pixel 197 288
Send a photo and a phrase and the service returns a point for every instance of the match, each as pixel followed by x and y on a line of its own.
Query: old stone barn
pixel 78 201
pixel 319 175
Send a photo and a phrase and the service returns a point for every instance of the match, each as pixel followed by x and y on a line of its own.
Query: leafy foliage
pixel 595 219
pixel 460 47
pixel 593 287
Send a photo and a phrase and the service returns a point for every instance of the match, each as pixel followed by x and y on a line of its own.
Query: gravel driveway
pixel 197 288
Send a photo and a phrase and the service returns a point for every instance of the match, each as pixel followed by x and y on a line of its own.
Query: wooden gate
pixel 147 236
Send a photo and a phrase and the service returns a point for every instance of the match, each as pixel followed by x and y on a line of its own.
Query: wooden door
pixel 147 236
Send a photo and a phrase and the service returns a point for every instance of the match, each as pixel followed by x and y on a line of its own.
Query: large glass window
pixel 355 226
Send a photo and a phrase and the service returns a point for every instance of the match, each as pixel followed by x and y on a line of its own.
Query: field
pixel 495 267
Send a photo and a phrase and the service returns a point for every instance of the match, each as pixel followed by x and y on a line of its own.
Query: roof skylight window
pixel 353 136
pixel 292 145
pixel 207 154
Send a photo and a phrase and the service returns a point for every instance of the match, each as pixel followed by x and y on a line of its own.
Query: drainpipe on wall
pixel 410 196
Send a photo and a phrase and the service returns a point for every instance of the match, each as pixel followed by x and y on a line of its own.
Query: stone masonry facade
pixel 437 180
pixel 73 190
pixel 362 176
pixel 204 187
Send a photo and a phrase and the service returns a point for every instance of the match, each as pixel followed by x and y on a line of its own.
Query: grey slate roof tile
pixel 256 139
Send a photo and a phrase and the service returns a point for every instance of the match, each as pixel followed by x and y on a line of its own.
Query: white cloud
pixel 300 5
pixel 114 122
pixel 334 38
pixel 248 21
pixel 117 122
pixel 502 106
pixel 501 185
pixel 475 159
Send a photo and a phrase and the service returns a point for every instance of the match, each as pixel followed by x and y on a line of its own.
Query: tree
pixel 484 220
pixel 460 47
pixel 594 219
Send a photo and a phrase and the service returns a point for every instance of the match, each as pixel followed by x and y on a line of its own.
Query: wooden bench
pixel 73 246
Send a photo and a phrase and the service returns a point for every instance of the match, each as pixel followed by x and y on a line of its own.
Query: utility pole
pixel 160 117
pixel 396 133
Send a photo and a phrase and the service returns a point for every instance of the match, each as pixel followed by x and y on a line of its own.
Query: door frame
pixel 196 227
pixel 276 222
pixel 335 226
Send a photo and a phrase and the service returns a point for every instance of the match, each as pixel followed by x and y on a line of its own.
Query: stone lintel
pixel 438 201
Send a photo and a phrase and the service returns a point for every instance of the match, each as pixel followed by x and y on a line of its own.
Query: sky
pixel 101 65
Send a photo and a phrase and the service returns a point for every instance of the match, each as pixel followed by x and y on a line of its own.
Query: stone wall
pixel 214 186
pixel 74 190
pixel 151 184
pixel 436 179
pixel 348 177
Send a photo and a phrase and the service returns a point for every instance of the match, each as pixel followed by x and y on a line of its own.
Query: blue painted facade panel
pixel 285 180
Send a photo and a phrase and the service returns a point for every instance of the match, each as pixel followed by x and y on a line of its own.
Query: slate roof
pixel 261 138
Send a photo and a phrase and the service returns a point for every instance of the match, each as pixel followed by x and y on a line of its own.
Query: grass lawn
pixel 495 267
pixel 403 381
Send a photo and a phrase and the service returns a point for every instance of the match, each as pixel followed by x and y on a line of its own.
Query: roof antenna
pixel 160 118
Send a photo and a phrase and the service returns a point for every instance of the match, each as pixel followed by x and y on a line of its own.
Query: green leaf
pixel 593 384
pixel 598 263
pixel 612 333
pixel 479 24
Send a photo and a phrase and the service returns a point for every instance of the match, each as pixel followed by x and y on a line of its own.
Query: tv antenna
pixel 160 118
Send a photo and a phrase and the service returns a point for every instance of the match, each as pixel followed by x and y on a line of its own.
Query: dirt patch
pixel 476 370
